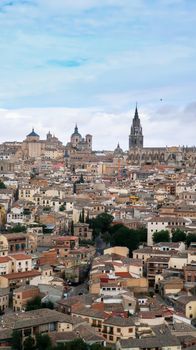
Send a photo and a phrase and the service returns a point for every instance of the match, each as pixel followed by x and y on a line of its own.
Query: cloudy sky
pixel 89 61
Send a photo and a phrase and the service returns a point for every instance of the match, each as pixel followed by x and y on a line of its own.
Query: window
pixel 118 330
pixel 130 330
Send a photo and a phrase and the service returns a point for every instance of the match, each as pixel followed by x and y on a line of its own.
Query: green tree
pixel 80 217
pixel 74 187
pixel 72 227
pixel 78 344
pixel 125 237
pixel 99 347
pixel 142 232
pixel 43 342
pixel 87 218
pixel 34 304
pixel 161 236
pixel 2 185
pixel 101 223
pixel 178 236
pixel 62 208
pixel 18 228
pixel 29 343
pixel 17 340
pixel 59 346
pixel 48 305
pixel 191 237
pixel 81 179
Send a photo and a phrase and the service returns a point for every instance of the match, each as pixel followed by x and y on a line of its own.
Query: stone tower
pixel 136 136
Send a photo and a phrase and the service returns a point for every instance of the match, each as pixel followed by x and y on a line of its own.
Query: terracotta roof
pixel 4 259
pixel 26 274
pixel 20 256
pixel 123 274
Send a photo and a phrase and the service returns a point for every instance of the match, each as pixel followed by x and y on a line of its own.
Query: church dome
pixel 76 133
pixel 33 134
pixel 118 150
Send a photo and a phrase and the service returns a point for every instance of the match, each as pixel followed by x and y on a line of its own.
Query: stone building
pixel 136 135
pixel 138 155
pixel 80 143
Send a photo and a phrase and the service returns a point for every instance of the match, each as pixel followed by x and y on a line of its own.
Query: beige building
pixel 122 251
pixel 21 263
pixel 22 295
pixel 4 298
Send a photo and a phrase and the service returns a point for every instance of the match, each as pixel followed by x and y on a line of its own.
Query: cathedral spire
pixel 76 128
pixel 136 135
pixel 136 116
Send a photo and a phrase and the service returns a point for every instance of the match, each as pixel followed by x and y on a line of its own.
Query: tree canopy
pixel 17 340
pixel 125 237
pixel 43 342
pixel 29 343
pixel 191 237
pixel 101 223
pixel 178 236
pixel 2 185
pixel 18 228
pixel 161 236
pixel 36 303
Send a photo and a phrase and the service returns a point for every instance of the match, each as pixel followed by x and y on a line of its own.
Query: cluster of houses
pixel 145 300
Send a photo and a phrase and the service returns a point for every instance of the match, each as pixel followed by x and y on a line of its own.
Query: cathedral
pixel 138 154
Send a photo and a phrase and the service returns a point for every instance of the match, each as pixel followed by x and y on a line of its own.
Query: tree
pixel 99 347
pixel 48 305
pixel 178 236
pixel 34 304
pixel 125 237
pixel 2 185
pixel 43 342
pixel 18 228
pixel 101 223
pixel 17 340
pixel 74 187
pixel 78 344
pixel 142 232
pixel 29 343
pixel 62 207
pixel 161 236
pixel 87 218
pixel 59 346
pixel 82 218
pixel 191 237
pixel 72 227
pixel 81 179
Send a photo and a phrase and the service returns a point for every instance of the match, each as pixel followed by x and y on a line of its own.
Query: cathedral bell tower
pixel 136 135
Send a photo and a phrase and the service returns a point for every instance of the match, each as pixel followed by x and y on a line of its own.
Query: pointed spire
pixel 118 145
pixel 136 112
pixel 76 128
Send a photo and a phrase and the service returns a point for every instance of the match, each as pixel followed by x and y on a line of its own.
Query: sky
pixel 89 61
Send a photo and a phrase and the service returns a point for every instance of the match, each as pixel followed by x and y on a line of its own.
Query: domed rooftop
pixel 118 150
pixel 33 134
pixel 76 133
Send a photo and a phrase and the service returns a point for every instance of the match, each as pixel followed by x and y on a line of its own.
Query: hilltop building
pixel 138 154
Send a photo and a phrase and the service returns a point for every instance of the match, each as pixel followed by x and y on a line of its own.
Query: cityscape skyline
pixel 82 63
pixel 101 138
